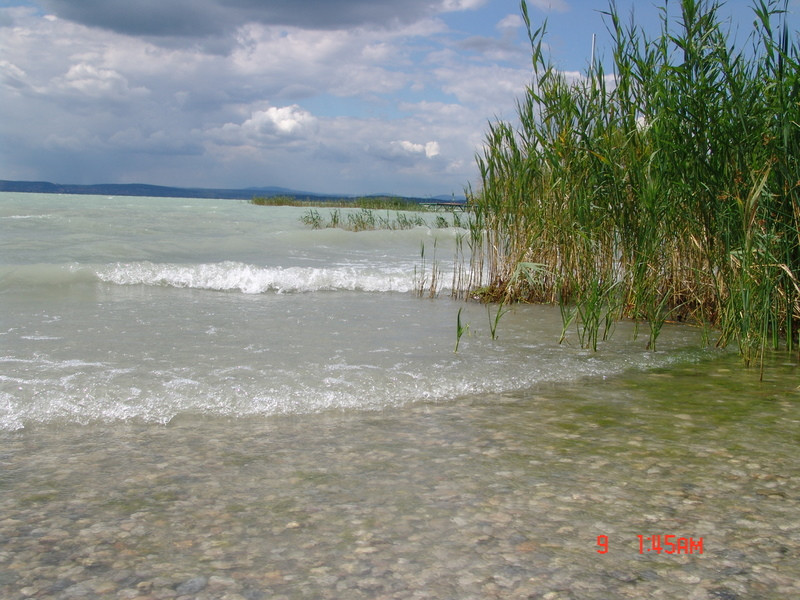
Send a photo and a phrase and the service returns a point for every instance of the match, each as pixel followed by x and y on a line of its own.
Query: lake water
pixel 207 399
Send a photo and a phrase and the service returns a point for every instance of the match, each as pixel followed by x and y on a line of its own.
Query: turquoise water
pixel 205 399
pixel 114 309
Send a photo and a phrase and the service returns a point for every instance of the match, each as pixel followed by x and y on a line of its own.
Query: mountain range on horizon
pixel 159 191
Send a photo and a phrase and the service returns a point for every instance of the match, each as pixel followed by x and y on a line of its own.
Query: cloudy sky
pixel 328 96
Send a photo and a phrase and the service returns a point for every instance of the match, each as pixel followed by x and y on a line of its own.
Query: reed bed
pixel 367 219
pixel 367 202
pixel 666 189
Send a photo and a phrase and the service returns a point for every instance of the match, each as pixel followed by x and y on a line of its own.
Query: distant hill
pixel 159 191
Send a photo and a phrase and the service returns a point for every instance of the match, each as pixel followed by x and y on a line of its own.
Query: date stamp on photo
pixel 658 543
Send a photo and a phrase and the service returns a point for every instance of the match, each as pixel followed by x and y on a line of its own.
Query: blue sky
pixel 334 96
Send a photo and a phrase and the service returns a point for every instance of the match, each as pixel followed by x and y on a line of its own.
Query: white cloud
pixel 12 75
pixel 429 149
pixel 510 22
pixel 286 120
pixel 344 63
pixel 372 108
pixel 282 125
pixel 432 149
pixel 488 88
pixel 89 80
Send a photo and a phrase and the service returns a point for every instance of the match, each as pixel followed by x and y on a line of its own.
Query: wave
pixel 250 279
pixel 24 217
pixel 45 275
pixel 42 390
pixel 223 276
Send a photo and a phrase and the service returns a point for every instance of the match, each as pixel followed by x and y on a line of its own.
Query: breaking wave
pixel 223 276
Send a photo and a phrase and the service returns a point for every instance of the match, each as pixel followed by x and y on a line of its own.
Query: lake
pixel 208 399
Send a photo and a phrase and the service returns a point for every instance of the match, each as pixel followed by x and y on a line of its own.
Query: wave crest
pixel 250 279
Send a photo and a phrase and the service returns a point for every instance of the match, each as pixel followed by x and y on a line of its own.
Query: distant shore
pixel 159 191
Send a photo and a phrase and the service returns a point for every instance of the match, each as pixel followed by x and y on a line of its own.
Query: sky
pixel 326 96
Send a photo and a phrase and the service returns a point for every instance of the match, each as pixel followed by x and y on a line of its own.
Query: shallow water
pixel 117 309
pixel 491 496
pixel 206 400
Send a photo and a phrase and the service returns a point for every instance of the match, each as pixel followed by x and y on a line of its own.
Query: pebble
pixel 479 498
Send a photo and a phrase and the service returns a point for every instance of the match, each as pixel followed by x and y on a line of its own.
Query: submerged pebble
pixel 478 498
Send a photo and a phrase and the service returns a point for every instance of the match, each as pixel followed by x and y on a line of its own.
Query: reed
pixel 370 202
pixel 667 189
pixel 427 283
pixel 461 329
pixel 367 219
pixel 502 309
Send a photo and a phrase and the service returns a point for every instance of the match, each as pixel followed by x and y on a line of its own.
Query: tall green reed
pixel 666 189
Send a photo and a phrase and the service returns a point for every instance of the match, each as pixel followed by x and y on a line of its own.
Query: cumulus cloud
pixel 96 93
pixel 284 125
pixel 344 63
pixel 285 121
pixel 469 87
pixel 350 96
pixel 510 22
pixel 405 156
pixel 12 77
pixel 89 80
pixel 429 149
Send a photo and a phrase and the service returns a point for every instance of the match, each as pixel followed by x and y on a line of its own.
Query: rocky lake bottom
pixel 561 492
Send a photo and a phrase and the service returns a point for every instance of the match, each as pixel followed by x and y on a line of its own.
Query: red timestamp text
pixel 658 544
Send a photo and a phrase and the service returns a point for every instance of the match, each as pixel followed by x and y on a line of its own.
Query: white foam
pixel 84 392
pixel 250 279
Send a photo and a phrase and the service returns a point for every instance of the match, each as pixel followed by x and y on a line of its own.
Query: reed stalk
pixel 502 309
pixel 461 329
pixel 425 283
